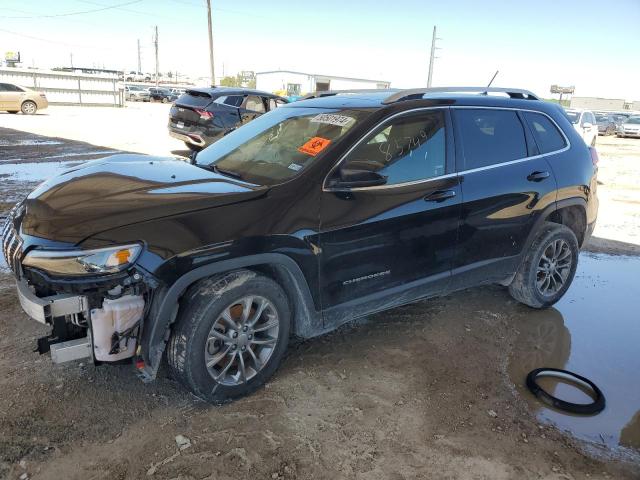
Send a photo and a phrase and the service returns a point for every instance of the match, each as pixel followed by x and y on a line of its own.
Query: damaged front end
pixel 94 300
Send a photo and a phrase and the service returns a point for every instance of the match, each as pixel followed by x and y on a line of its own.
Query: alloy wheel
pixel 554 267
pixel 29 108
pixel 242 340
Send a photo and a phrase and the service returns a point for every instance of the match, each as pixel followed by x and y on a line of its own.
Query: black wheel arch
pixel 553 213
pixel 307 320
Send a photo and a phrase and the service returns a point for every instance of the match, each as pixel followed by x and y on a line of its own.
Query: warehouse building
pixel 596 103
pixel 288 83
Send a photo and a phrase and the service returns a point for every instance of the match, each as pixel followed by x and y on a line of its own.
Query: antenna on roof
pixel 493 78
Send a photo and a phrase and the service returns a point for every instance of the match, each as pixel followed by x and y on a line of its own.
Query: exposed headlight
pixel 83 262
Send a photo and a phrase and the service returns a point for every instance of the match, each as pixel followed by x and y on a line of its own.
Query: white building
pixel 289 83
pixel 596 103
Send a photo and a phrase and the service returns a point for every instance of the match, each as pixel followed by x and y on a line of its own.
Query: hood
pixel 122 190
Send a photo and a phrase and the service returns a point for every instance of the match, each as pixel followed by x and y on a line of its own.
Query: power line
pixel 173 19
pixel 53 41
pixel 75 13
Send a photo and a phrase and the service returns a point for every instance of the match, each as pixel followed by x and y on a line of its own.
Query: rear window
pixel 545 133
pixel 490 137
pixel 195 99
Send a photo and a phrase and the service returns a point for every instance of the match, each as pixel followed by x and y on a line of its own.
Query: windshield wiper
pixel 226 173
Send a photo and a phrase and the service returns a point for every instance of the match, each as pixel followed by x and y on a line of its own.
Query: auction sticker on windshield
pixel 314 146
pixel 331 119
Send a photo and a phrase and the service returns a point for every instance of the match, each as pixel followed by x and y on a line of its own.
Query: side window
pixel 490 137
pixel 405 150
pixel 545 133
pixel 3 87
pixel 255 104
pixel 231 100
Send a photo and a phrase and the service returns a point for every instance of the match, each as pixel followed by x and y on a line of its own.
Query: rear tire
pixel 28 107
pixel 548 268
pixel 231 334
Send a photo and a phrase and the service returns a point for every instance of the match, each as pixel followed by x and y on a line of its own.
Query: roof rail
pixel 419 93
pixel 329 93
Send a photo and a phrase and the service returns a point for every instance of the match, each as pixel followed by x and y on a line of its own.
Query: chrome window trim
pixel 449 175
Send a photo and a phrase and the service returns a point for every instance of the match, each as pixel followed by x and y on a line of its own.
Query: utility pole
pixel 155 43
pixel 213 77
pixel 433 56
pixel 139 61
pixel 71 56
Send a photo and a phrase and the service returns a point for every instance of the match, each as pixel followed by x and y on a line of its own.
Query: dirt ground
pixel 422 391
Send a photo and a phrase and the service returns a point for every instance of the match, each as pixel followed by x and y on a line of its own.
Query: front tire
pixel 230 336
pixel 548 268
pixel 28 107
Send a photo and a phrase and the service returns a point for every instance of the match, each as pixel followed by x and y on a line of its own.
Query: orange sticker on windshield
pixel 314 146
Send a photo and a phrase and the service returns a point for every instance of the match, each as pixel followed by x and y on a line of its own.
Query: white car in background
pixel 584 121
pixel 630 127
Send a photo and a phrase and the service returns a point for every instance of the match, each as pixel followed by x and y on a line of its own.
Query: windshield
pixel 602 118
pixel 574 117
pixel 280 144
pixel 635 120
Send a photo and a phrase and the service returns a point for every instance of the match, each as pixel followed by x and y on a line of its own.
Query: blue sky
pixel 593 45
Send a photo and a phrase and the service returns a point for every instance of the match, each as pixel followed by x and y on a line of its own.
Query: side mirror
pixel 352 178
pixel 587 125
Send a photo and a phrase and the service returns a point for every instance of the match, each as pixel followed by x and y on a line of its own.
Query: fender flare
pixel 567 202
pixel 155 334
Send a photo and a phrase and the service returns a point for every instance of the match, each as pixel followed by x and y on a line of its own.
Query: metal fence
pixel 66 88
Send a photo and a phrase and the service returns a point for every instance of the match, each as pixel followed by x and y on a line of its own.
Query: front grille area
pixel 11 245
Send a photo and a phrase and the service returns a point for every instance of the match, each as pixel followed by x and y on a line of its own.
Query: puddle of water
pixel 33 172
pixel 593 331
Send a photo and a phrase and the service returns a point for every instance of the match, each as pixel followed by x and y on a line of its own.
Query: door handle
pixel 538 176
pixel 440 196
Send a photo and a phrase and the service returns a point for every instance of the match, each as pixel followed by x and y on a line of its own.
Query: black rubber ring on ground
pixel 582 408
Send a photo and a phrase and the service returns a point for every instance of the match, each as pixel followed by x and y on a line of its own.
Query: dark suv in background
pixel 160 94
pixel 203 115
pixel 314 214
pixel 607 123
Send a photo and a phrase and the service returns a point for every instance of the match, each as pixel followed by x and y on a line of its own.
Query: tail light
pixel 594 156
pixel 204 114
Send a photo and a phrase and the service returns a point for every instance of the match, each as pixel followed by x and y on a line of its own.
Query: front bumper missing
pixel 45 309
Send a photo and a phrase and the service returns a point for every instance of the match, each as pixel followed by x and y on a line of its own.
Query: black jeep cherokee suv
pixel 312 215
